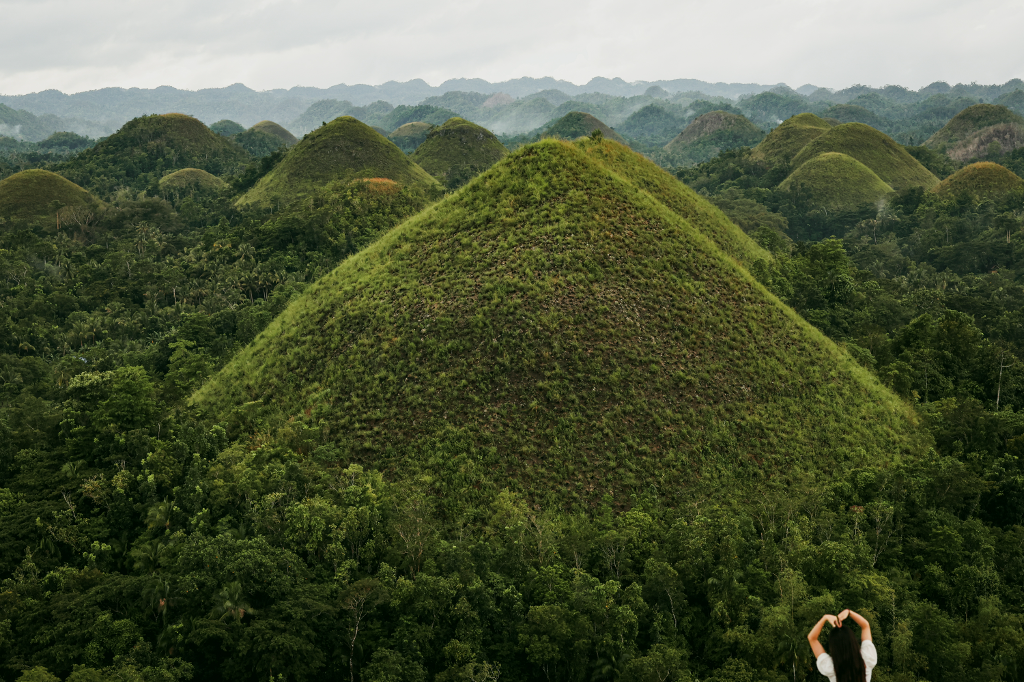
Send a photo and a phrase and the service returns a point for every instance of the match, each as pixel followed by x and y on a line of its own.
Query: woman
pixel 847 661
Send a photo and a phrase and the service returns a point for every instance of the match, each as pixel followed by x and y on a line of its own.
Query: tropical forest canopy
pixel 528 383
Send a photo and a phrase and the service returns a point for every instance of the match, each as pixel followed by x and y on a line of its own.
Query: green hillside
pixel 972 120
pixel 838 181
pixel 34 194
pixel 652 124
pixel 983 180
pixel 227 128
pixel 188 180
pixel 785 141
pixel 555 329
pixel 409 136
pixel 343 149
pixel 458 151
pixel 876 150
pixel 998 139
pixel 578 124
pixel 146 148
pixel 277 131
pixel 712 133
pixel 851 113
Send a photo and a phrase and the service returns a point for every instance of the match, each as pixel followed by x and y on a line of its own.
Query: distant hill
pixel 972 121
pixel 409 136
pixel 578 124
pixel 653 124
pixel 226 128
pixel 343 149
pixel 984 180
pixel 34 195
pixel 190 180
pixel 146 148
pixel 458 151
pixel 712 133
pixel 792 135
pixel 876 150
pixel 851 113
pixel 555 329
pixel 277 131
pixel 838 181
pixel 998 139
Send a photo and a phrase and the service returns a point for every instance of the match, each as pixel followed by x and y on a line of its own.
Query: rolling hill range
pixel 35 193
pixel 876 150
pixel 983 180
pixel 555 328
pixel 142 151
pixel 458 151
pixel 343 149
pixel 711 133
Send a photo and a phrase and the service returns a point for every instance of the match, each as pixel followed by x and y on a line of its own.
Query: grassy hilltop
pixel 578 124
pixel 35 193
pixel 712 133
pixel 457 151
pixel 555 327
pixel 837 181
pixel 785 141
pixel 983 180
pixel 276 130
pixel 971 121
pixel 343 149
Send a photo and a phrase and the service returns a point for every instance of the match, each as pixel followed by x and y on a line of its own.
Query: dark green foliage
pixel 458 151
pixel 710 134
pixel 653 125
pixel 258 143
pixel 226 128
pixel 578 124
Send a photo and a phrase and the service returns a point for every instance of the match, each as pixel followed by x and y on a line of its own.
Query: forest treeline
pixel 140 541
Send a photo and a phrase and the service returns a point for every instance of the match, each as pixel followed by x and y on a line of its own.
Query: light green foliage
pixel 37 674
pixel 458 151
pixel 837 181
pixel 344 149
pixel 875 150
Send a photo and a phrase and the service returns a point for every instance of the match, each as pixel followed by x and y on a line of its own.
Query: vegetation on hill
pixel 146 148
pixel 876 150
pixel 852 113
pixel 39 195
pixel 654 125
pixel 972 120
pixel 458 151
pixel 227 128
pixel 277 130
pixel 993 141
pixel 188 182
pixel 343 149
pixel 837 181
pixel 785 141
pixel 711 133
pixel 409 136
pixel 578 124
pixel 982 180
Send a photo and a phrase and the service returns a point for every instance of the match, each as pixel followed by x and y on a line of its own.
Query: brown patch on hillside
pixel 1008 136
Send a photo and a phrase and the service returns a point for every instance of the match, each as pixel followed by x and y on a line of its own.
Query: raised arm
pixel 812 636
pixel 861 621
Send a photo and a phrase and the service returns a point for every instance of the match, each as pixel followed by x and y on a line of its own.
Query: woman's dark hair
pixel 844 648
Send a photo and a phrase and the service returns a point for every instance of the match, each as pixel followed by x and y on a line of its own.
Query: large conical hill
pixel 971 121
pixel 35 193
pixel 983 180
pixel 838 181
pixel 343 149
pixel 554 328
pixel 458 151
pixel 873 148
pixel 787 139
pixel 579 124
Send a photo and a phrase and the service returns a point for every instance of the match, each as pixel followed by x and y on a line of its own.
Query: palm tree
pixel 148 556
pixel 231 601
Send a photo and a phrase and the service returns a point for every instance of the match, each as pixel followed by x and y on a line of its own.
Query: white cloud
pixel 265 44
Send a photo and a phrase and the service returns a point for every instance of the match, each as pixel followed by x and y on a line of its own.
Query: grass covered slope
pixel 983 180
pixel 785 141
pixel 343 149
pixel 971 121
pixel 873 148
pixel 35 193
pixel 409 136
pixel 712 133
pixel 191 179
pixel 458 151
pixel 276 130
pixel 578 124
pixel 837 181
pixel 554 328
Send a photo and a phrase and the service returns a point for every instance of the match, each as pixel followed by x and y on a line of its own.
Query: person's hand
pixel 832 620
pixel 843 616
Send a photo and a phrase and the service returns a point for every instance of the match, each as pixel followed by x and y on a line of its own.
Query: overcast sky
pixel 86 44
